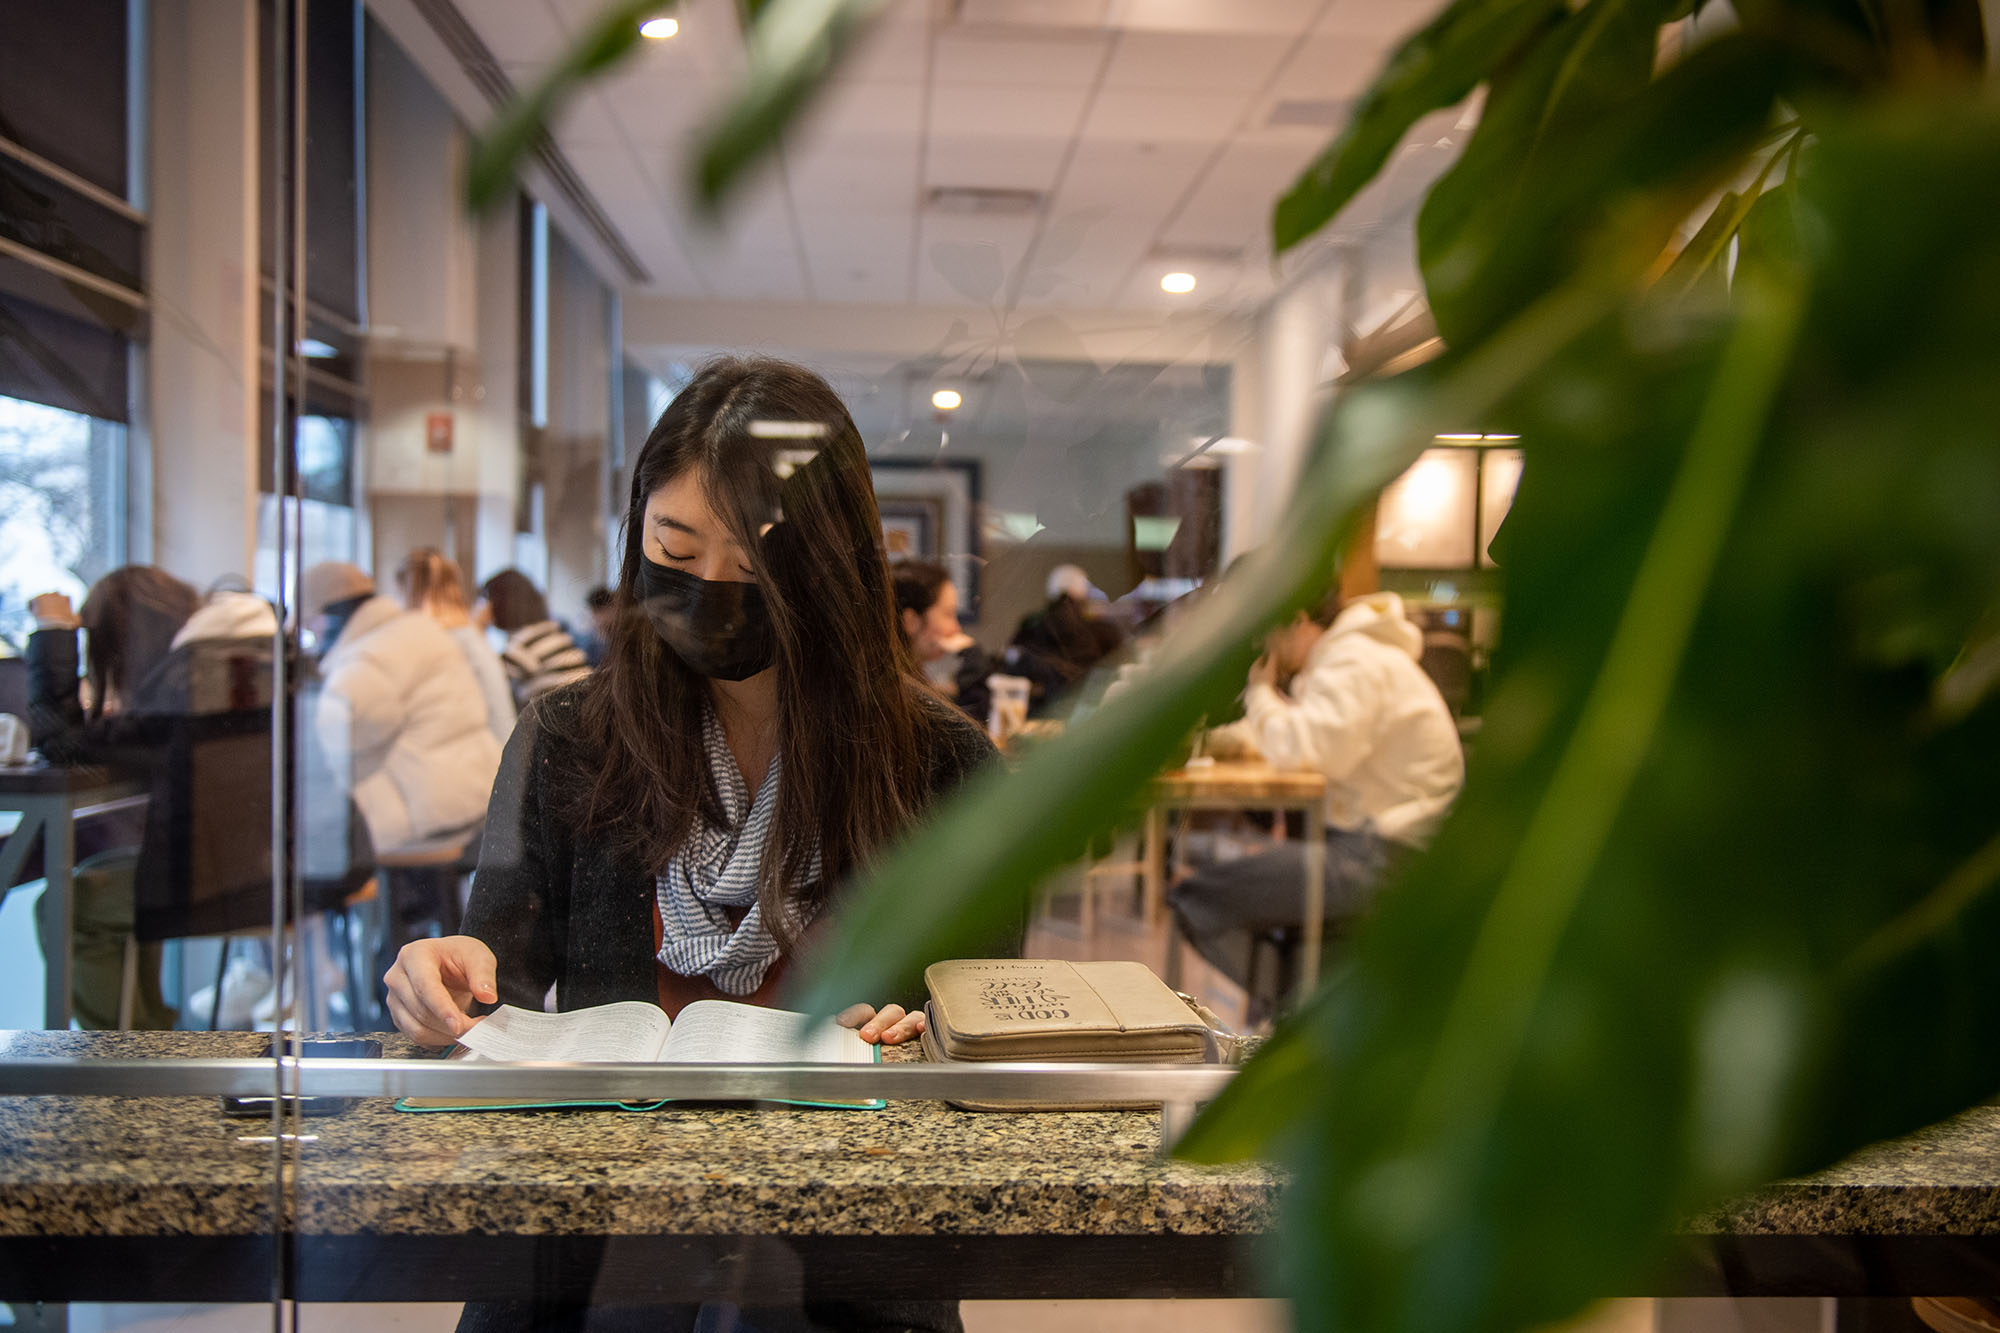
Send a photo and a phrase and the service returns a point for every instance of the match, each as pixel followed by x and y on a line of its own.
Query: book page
pixel 629 1032
pixel 723 1032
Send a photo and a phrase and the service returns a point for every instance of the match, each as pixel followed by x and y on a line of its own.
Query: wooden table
pixel 50 800
pixel 1238 785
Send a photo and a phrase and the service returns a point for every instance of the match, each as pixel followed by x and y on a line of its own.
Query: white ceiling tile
pixel 959 258
pixel 1337 66
pixel 1128 179
pixel 1006 111
pixel 1387 19
pixel 895 49
pixel 836 183
pixel 988 163
pixel 861 117
pixel 861 257
pixel 1236 195
pixel 978 57
pixel 1081 271
pixel 1187 62
pixel 516 31
pixel 1239 16
pixel 1160 117
pixel 748 264
pixel 658 249
pixel 586 121
pixel 1036 13
pixel 655 108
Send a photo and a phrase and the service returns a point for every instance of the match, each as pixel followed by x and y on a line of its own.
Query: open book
pixel 634 1032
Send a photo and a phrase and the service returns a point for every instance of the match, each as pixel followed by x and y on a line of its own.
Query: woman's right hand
pixel 433 984
pixel 52 610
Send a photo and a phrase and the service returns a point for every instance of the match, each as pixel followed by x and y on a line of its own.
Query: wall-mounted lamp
pixel 1444 511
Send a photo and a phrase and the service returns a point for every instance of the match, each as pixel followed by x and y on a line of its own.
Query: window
pixel 58 507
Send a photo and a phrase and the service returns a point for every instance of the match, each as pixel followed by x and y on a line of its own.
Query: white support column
pixel 202 269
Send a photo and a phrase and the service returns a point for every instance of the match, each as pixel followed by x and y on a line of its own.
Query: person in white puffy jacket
pixel 400 714
pixel 1358 709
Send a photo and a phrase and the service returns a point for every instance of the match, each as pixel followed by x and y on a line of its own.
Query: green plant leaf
pixel 1755 931
pixel 1436 68
pixel 521 125
pixel 794 47
pixel 1608 187
pixel 1588 64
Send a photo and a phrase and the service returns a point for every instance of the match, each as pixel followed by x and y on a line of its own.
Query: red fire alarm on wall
pixel 437 432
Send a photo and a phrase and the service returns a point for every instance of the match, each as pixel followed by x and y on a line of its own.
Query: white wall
pixel 202 263
pixel 422 250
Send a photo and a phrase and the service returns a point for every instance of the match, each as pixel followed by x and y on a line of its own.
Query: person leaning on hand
pixel 675 826
pixel 1339 692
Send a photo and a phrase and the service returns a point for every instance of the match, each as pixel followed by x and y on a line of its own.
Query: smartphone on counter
pixel 344 1048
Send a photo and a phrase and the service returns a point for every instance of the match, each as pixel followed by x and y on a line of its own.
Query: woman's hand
pixel 432 986
pixel 52 610
pixel 1264 671
pixel 888 1026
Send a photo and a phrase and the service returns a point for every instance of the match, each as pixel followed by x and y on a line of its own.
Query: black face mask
pixel 721 630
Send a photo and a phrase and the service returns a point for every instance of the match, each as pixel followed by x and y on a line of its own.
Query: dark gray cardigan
pixel 561 909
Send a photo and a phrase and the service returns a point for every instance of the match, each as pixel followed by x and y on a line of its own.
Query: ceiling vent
pixel 984 201
pixel 1318 113
pixel 1195 254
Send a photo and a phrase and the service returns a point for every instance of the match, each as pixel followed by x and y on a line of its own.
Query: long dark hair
pixel 782 463
pixel 514 600
pixel 918 583
pixel 132 615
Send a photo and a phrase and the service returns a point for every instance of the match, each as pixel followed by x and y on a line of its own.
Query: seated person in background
pixel 927 615
pixel 1056 647
pixel 400 717
pixel 159 659
pixel 1358 709
pixel 601 603
pixel 430 582
pixel 540 654
pixel 674 826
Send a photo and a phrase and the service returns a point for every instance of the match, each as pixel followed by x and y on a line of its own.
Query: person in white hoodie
pixel 1337 691
pixel 400 717
pixel 430 582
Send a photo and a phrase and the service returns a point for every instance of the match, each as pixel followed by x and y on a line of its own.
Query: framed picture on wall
pixel 910 528
pixel 930 511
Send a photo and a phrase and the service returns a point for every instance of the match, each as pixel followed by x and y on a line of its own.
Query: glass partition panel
pixel 143 663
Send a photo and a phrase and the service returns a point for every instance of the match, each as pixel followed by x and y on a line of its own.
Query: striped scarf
pixel 716 869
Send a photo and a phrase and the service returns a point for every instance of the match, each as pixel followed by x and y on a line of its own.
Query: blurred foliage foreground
pixel 1716 903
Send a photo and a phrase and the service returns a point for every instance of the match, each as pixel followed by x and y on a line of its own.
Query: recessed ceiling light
pixel 659 29
pixel 1474 437
pixel 1177 283
pixel 1503 437
pixel 946 400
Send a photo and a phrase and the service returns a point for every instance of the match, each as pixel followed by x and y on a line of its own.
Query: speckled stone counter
pixel 147 1166
pixel 163 1198
pixel 425 1191
pixel 1941 1181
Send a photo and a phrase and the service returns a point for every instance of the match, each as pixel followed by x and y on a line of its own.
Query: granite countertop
pixel 177 1166
pixel 1940 1181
